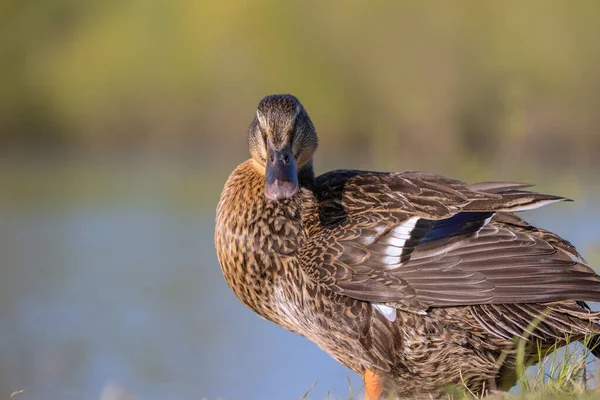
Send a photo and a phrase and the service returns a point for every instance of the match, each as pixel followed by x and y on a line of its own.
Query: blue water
pixel 133 296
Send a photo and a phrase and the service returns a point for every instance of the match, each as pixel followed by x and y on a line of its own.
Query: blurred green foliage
pixel 469 86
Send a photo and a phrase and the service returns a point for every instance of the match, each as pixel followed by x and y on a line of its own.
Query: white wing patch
pixel 402 231
pixel 485 222
pixel 400 234
pixel 395 240
pixel 488 219
pixel 386 311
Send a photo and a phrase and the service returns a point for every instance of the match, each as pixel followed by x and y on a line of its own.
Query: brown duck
pixel 413 280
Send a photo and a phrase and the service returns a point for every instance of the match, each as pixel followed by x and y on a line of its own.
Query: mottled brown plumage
pixel 415 280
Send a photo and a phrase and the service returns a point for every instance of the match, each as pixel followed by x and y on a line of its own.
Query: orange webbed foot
pixel 373 385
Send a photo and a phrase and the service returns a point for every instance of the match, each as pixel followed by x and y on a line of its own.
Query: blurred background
pixel 121 120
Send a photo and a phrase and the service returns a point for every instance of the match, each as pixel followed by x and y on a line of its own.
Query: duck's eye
pixel 272 158
pixel 286 158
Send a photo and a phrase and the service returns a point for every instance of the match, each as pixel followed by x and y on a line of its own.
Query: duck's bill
pixel 281 176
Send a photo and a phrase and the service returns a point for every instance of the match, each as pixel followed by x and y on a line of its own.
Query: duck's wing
pixel 414 241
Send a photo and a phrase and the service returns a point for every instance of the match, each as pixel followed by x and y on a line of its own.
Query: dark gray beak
pixel 281 175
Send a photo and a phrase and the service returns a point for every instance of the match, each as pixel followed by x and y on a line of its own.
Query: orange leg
pixel 373 385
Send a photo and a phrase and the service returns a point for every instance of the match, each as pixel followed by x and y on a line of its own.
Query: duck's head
pixel 282 140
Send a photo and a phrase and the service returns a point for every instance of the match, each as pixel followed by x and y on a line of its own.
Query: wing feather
pixel 414 241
